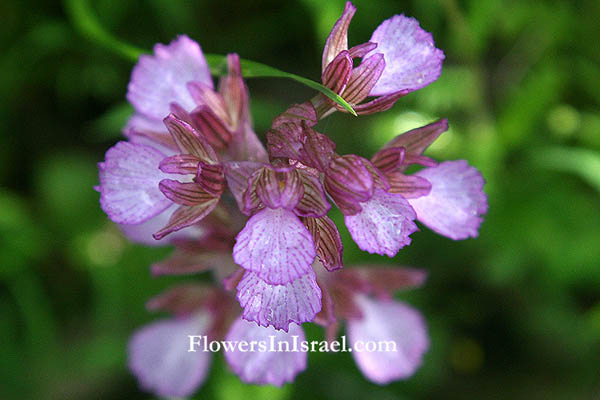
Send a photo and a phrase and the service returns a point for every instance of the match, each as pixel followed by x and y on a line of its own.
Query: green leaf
pixel 253 69
pixel 85 22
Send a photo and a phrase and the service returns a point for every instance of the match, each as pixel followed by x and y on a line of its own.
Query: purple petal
pixel 182 300
pixel 141 123
pixel 266 367
pixel 189 140
pixel 159 357
pixel 389 159
pixel 186 216
pixel 160 79
pixel 456 202
pixel 379 104
pixel 363 78
pixel 246 146
pixel 275 245
pixel 409 186
pixel 278 187
pixel 182 164
pixel 235 92
pixel 401 326
pixel 205 95
pixel 417 140
pixel 215 130
pixel 361 50
pixel 211 178
pixel 129 178
pixel 383 225
pixel 143 233
pixel 329 243
pixel 338 72
pixel 337 40
pixel 278 305
pixel 297 113
pixel 187 194
pixel 412 60
pixel 317 149
pixel 237 174
pixel 313 202
pixel 348 182
pixel 383 282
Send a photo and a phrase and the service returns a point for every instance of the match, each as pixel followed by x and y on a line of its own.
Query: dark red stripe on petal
pixel 389 159
pixel 363 78
pixel 338 72
pixel 188 140
pixel 409 186
pixel 328 241
pixel 314 202
pixel 185 216
pixel 187 194
pixel 212 128
pixel 338 37
pixel 417 140
pixel 380 104
pixel 183 164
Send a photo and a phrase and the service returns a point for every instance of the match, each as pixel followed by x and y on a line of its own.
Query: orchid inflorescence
pixel 194 174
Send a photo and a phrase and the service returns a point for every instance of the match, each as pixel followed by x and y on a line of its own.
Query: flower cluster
pixel 194 174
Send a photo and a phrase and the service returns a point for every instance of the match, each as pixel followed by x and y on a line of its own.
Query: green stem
pixel 85 22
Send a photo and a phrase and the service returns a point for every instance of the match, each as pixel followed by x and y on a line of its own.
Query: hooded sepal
pixel 337 40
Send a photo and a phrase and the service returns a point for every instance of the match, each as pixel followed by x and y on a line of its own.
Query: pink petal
pixel 412 60
pixel 160 79
pixel 393 322
pixel 348 182
pixel 278 305
pixel 337 40
pixel 275 245
pixel 266 367
pixel 246 146
pixel 337 73
pixel 454 205
pixel 129 178
pixel 142 233
pixel 383 225
pixel 159 357
pixel 189 140
pixel 237 174
pixel 186 216
pixel 364 78
pixel 313 202
pixel 417 140
pixel 234 91
pixel 409 186
pixel 141 123
pixel 329 243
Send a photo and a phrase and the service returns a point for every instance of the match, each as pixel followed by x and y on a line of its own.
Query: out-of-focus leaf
pixel 581 162
pixel 65 183
pixel 110 124
pixel 527 104
pixel 84 21
pixel 22 240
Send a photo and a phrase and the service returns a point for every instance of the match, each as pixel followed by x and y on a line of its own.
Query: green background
pixel 513 314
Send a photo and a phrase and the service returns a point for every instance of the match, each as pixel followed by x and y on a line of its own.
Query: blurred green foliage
pixel 513 314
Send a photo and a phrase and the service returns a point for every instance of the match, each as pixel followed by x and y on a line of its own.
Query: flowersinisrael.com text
pixel 202 343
